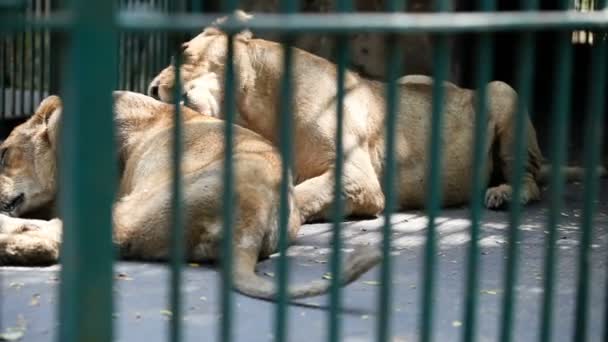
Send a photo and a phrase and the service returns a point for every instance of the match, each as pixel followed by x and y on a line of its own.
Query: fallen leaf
pixel 203 298
pixel 327 275
pixel 193 264
pixel 364 317
pixel 320 261
pixel 12 334
pixel 16 285
pixel 123 276
pixel 35 301
pixel 492 292
pixel 456 324
pixel 166 313
pixel 372 282
pixel 270 274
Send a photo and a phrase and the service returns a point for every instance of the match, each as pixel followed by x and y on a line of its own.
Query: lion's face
pixel 28 162
pixel 202 72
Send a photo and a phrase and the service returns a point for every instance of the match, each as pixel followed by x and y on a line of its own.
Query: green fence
pixel 86 277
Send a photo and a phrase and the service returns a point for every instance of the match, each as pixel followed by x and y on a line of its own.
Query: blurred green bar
pixel 286 149
pixel 433 193
pixel 525 79
pixel 177 215
pixel 3 63
pixel 22 88
pixel 560 119
pixel 32 57
pixel 479 179
pixel 228 196
pixel 593 150
pixel 394 67
pixel 13 107
pixel 335 300
pixel 373 22
pixel 433 201
pixel 85 308
pixel 342 23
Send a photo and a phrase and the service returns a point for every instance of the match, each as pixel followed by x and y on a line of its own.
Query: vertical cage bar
pixel 3 63
pixel 593 149
pixel 37 66
pixel 525 78
pixel 32 54
pixel 228 208
pixel 56 45
pixel 13 67
pixel 177 223
pixel 87 176
pixel 433 194
pixel 479 177
pixel 394 61
pixel 21 63
pixel 335 299
pixel 227 319
pixel 45 41
pixel 286 150
pixel 561 109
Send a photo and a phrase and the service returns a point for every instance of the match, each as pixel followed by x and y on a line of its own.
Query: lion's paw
pixel 498 197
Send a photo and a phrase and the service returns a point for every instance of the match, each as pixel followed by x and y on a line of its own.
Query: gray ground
pixel 29 295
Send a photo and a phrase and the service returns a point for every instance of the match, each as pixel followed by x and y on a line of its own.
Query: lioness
pixel 258 66
pixel 141 215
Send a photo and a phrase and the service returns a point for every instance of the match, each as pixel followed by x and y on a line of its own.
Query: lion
pixel 141 220
pixel 259 73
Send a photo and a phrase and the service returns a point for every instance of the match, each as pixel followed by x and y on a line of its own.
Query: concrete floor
pixel 29 295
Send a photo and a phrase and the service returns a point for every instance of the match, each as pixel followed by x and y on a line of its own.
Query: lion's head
pixel 202 69
pixel 28 161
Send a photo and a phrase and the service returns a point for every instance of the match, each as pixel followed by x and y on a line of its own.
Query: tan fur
pixel 258 64
pixel 141 214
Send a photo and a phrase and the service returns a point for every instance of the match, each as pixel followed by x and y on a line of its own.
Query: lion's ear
pixel 244 35
pixel 48 115
pixel 47 108
pixel 242 15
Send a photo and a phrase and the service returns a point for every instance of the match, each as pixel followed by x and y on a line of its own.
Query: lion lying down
pixel 258 65
pixel 141 214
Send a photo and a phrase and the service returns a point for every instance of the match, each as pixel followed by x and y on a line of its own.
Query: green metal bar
pixel 44 57
pixel 394 61
pixel 285 144
pixel 13 108
pixel 177 224
pixel 433 194
pixel 561 109
pixel 479 181
pixel 593 149
pixel 440 54
pixel 343 22
pixel 32 49
pixel 85 309
pixel 22 72
pixel 525 78
pixel 228 208
pixel 226 319
pixel 375 22
pixel 3 62
pixel 335 299
pixel 286 149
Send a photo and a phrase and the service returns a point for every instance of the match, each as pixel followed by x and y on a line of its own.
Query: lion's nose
pixel 153 91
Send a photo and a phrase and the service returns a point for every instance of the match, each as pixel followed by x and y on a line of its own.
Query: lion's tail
pixel 570 173
pixel 247 282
